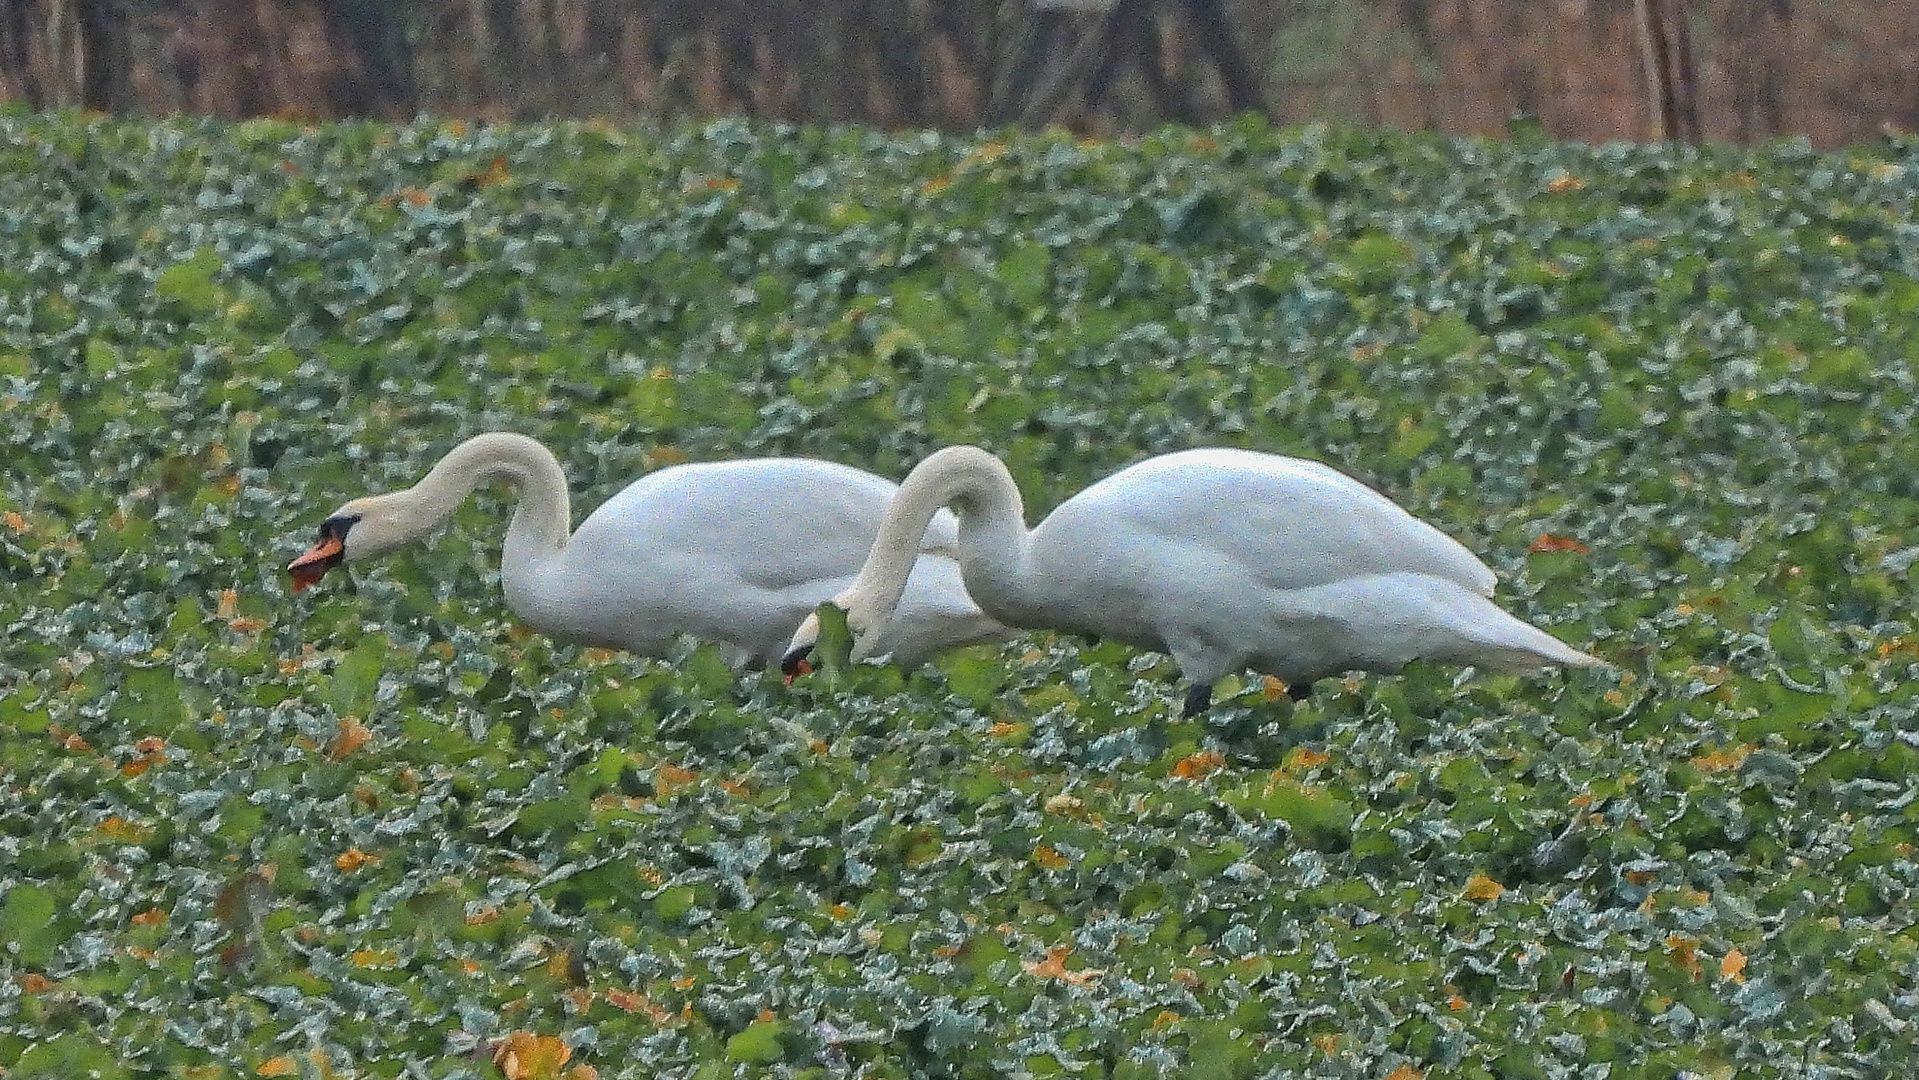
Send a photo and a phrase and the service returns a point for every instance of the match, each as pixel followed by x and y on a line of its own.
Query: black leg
pixel 1199 697
pixel 1299 691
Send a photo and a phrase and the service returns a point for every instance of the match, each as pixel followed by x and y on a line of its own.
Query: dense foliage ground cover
pixel 376 830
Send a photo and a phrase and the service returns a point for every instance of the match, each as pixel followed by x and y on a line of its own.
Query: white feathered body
pixel 738 553
pixel 1232 559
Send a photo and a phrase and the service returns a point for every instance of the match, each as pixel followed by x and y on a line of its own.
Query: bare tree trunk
pixel 375 78
pixel 1772 85
pixel 1035 53
pixel 1215 33
pixel 106 55
pixel 228 55
pixel 1665 45
pixel 17 30
pixel 1097 51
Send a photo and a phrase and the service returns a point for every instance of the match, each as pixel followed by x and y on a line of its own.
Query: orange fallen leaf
pixel 1196 767
pixel 1733 966
pixel 415 196
pixel 1640 877
pixel 670 778
pixel 1549 542
pixel 350 737
pixel 35 983
pixel 495 173
pixel 352 859
pixel 1304 757
pixel 229 603
pixel 1563 183
pixel 279 1066
pixel 482 916
pixel 150 917
pixel 126 832
pixel 1406 1072
pixel 1722 760
pixel 1054 967
pixel 639 1003
pixel 1049 858
pixel 984 153
pixel 526 1056
pixel 1481 887
pixel 1328 1043
pixel 1685 950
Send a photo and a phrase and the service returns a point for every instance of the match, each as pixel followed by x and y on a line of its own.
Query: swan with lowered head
pixel 732 552
pixel 1225 559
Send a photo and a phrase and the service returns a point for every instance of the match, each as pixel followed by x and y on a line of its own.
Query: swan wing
pixel 1284 523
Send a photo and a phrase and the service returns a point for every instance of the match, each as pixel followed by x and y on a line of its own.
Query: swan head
pixel 798 659
pixel 362 529
pixel 827 638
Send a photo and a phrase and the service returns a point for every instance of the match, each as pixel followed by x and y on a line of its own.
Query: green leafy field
pixel 377 830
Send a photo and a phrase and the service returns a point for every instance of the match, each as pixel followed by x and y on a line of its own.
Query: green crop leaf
pixel 1665 393
pixel 29 923
pixel 191 283
pixel 69 1057
pixel 759 1044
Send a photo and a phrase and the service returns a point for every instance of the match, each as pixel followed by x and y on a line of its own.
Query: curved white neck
pixel 541 522
pixel 993 540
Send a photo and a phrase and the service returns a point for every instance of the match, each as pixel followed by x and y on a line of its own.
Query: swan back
pixel 1289 522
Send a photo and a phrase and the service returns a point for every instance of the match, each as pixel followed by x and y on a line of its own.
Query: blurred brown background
pixel 1740 70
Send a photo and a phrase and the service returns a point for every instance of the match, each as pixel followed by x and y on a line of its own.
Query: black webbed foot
pixel 1199 697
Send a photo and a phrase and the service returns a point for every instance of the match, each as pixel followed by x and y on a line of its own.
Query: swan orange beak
pixel 795 665
pixel 321 557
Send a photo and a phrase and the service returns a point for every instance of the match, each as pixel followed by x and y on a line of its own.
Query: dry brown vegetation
pixel 1835 72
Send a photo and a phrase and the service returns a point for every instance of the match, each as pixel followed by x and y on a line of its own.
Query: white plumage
pixel 732 552
pixel 1225 559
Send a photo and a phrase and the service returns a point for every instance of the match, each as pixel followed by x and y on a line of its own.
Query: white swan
pixel 732 552
pixel 1226 559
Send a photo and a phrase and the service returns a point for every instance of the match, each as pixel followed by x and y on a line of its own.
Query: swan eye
pixel 335 527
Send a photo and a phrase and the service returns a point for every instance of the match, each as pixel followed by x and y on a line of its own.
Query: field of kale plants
pixel 378 829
